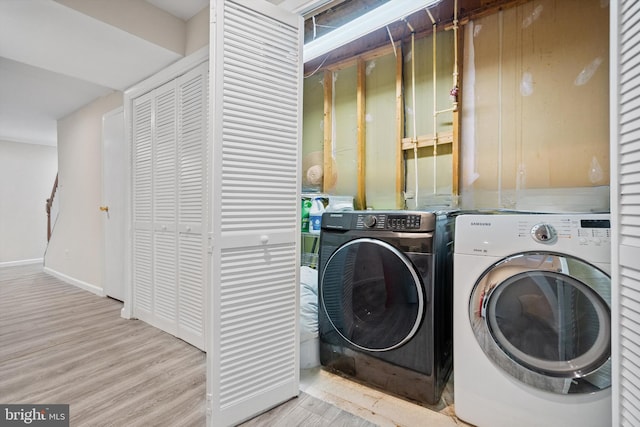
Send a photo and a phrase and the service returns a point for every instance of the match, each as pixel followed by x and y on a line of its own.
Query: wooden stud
pixel 364 56
pixel 427 140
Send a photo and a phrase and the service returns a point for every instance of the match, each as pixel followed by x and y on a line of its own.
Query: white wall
pixel 150 23
pixel 137 17
pixel 27 172
pixel 75 252
pixel 75 249
pixel 197 31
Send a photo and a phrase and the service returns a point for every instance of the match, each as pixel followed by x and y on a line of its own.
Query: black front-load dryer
pixel 385 299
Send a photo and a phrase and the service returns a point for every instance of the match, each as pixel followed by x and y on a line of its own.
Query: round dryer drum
pixel 544 318
pixel 372 295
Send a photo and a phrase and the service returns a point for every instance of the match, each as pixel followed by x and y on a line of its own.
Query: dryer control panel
pixel 544 233
pixel 585 236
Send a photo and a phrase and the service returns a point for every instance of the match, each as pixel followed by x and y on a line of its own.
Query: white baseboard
pixel 79 283
pixel 21 262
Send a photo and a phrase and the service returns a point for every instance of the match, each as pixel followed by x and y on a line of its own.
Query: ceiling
pixel 55 59
pixel 183 9
pixel 421 23
pixel 59 55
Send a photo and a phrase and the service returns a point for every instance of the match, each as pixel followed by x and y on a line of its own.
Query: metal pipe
pixel 395 53
pixel 500 51
pixel 414 140
pixel 435 107
pixel 455 53
pixel 415 116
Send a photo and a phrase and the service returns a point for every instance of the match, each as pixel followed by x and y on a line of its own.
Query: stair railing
pixel 48 207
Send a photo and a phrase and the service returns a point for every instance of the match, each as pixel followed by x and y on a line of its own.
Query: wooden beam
pixel 365 56
pixel 399 130
pixel 361 196
pixel 427 140
pixel 328 132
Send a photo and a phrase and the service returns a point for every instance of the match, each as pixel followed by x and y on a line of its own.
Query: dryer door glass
pixel 545 319
pixel 372 294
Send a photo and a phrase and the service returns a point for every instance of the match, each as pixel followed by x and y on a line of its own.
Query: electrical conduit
pixel 415 116
pixel 435 106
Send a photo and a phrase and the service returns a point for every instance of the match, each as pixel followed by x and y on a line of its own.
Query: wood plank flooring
pixel 307 411
pixel 61 344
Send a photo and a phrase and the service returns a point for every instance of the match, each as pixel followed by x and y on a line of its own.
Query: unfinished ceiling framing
pixel 49 68
pixel 345 11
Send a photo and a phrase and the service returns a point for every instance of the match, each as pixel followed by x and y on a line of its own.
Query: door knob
pixel 104 208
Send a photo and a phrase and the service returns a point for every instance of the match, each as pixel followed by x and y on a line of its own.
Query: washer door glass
pixel 372 294
pixel 545 319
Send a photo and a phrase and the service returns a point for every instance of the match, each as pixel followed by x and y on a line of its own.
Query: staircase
pixel 51 207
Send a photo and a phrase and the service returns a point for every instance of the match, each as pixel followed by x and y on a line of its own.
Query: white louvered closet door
pixel 193 190
pixel 142 205
pixel 625 190
pixel 165 284
pixel 170 205
pixel 256 67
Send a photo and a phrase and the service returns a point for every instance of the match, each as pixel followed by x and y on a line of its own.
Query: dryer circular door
pixel 545 319
pixel 372 294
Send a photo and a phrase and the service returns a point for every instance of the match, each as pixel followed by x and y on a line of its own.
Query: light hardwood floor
pixel 307 411
pixel 61 344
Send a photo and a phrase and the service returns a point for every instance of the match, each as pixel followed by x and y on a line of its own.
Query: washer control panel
pixel 403 222
pixel 383 221
pixel 544 233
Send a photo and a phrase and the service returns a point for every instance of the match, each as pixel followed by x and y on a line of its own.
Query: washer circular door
pixel 545 319
pixel 372 294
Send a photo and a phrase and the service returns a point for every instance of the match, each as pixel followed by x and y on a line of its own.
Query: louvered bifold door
pixel 165 243
pixel 142 206
pixel 625 189
pixel 192 203
pixel 256 80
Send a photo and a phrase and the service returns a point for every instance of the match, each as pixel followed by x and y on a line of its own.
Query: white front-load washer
pixel 532 320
